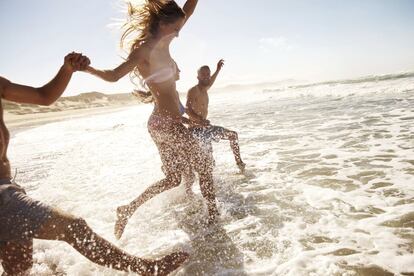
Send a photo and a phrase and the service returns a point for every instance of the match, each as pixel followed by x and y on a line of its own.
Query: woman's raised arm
pixel 189 8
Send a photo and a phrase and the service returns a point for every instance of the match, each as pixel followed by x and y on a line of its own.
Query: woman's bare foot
pixel 122 216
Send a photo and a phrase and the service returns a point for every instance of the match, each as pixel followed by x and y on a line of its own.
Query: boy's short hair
pixel 202 68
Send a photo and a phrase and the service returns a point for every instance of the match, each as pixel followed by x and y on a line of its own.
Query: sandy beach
pixel 22 116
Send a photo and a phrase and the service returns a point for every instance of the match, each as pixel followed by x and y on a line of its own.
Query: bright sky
pixel 262 40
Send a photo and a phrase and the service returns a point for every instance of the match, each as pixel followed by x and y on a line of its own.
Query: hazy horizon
pixel 300 82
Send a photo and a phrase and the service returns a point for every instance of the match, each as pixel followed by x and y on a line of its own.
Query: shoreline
pixel 16 123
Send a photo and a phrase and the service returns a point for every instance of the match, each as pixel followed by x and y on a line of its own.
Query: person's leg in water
pixel 203 163
pixel 167 136
pixel 124 212
pixel 16 257
pixel 204 143
pixel 200 156
pixel 80 236
pixel 208 192
pixel 233 137
pixel 177 148
pixel 188 179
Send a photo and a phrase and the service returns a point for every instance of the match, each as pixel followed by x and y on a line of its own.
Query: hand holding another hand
pixel 76 62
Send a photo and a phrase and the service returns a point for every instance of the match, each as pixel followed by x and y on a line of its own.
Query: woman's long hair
pixel 143 21
pixel 143 96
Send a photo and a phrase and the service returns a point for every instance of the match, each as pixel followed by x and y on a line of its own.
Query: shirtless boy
pixel 197 110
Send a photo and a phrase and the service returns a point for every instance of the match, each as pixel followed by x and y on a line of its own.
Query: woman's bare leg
pixel 203 163
pixel 208 192
pixel 124 212
pixel 79 235
pixel 16 257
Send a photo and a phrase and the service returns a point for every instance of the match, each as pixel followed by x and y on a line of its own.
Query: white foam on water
pixel 328 188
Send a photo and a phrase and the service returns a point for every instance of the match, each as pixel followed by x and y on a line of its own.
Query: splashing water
pixel 328 188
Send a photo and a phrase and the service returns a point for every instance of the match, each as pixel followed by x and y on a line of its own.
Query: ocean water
pixel 328 190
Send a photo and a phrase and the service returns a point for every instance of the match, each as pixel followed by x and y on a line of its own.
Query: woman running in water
pixel 156 24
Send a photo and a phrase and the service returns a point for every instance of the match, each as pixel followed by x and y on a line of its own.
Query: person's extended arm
pixel 189 8
pixel 220 65
pixel 115 74
pixel 50 92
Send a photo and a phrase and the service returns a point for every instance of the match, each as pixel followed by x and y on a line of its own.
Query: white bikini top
pixel 162 75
